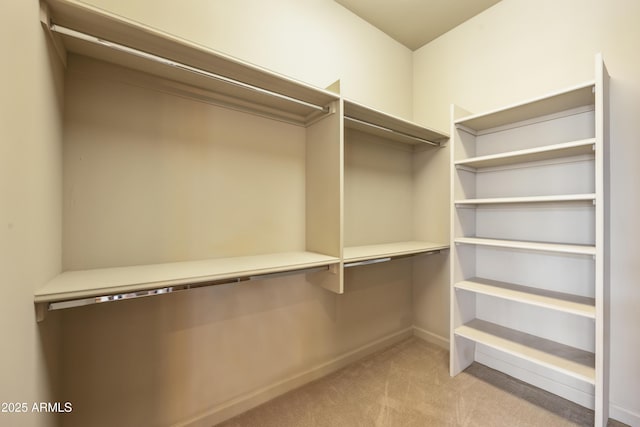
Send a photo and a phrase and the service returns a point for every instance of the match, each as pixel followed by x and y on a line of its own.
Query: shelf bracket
pixel 45 20
pixel 41 311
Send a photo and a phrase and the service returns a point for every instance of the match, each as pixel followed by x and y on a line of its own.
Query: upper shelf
pixel 574 97
pixel 90 31
pixel 553 355
pixel 377 123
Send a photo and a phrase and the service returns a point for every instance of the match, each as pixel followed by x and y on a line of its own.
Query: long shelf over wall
pixel 89 31
pixel 83 287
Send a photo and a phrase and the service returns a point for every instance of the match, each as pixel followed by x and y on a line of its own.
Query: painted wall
pixel 30 209
pixel 520 49
pixel 316 41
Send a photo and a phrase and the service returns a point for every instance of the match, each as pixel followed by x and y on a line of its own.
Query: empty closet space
pixel 383 178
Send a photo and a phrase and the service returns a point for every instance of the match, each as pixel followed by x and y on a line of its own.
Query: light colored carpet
pixel 409 385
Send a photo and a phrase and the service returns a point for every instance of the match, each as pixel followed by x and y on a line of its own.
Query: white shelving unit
pixel 529 258
pixel 184 167
pixel 381 167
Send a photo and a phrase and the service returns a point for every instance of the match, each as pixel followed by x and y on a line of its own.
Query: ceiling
pixel 416 22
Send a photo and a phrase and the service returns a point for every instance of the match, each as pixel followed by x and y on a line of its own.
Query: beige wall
pixel 30 209
pixel 520 49
pixel 316 41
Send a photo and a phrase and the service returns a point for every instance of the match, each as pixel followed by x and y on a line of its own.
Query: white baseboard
pixel 423 334
pixel 624 415
pixel 248 401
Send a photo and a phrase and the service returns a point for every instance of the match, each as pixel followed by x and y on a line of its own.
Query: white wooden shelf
pixel 534 172
pixel 558 357
pixel 565 198
pixel 99 34
pixel 526 245
pixel 548 152
pixel 567 303
pixel 574 97
pixel 105 281
pixel 377 123
pixel 389 250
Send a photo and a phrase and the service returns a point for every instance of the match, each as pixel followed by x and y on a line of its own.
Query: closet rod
pixel 388 258
pixel 366 262
pixel 132 51
pixel 79 302
pixel 386 129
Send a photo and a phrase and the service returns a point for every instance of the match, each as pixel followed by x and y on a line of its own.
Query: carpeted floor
pixel 409 385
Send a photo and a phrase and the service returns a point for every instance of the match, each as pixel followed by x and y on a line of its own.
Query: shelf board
pixel 105 281
pixel 115 29
pixel 527 245
pixel 564 198
pixel 574 97
pixel 548 152
pixel 570 361
pixel 386 250
pixel 567 303
pixel 377 123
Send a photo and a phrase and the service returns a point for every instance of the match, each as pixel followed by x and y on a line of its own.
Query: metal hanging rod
pixel 388 258
pixel 366 262
pixel 59 305
pixel 405 135
pixel 132 51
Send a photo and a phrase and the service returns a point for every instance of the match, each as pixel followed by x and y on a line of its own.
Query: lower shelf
pixel 570 361
pixel 108 281
pixel 385 250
